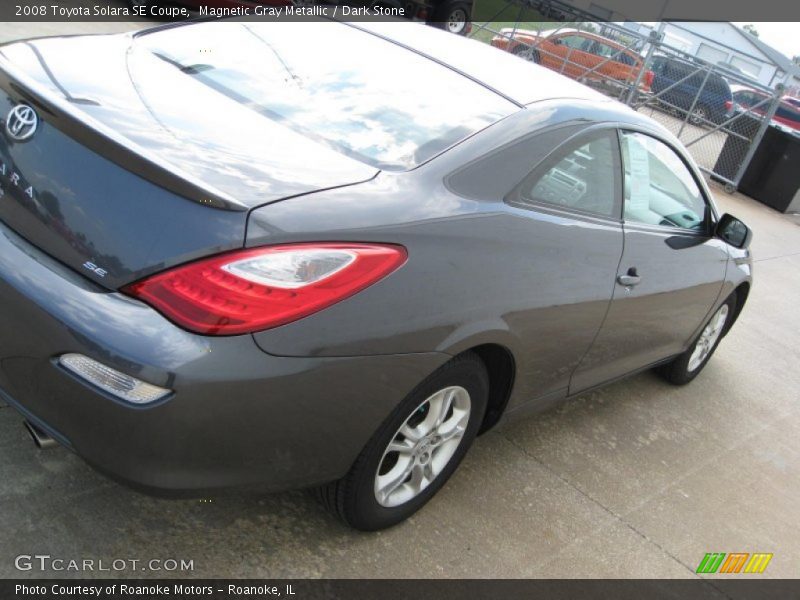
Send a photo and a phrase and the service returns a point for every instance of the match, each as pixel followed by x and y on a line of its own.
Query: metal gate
pixel 719 114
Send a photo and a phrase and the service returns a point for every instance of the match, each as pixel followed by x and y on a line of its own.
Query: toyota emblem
pixel 21 123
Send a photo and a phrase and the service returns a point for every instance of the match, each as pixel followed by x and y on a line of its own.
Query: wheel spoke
pixel 719 323
pixel 444 407
pixel 411 433
pixel 396 480
pixel 427 473
pixel 405 446
pixel 455 432
pixel 696 358
pixel 418 481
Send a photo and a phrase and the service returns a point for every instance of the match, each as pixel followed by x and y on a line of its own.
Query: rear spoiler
pixel 64 114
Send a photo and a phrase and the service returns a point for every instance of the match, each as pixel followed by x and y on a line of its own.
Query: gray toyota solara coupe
pixel 326 255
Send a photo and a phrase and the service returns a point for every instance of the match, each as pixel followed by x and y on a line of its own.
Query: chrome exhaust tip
pixel 40 438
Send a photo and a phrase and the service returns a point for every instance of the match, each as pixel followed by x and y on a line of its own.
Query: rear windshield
pixel 365 97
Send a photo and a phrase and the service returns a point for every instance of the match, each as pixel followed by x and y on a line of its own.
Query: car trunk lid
pixel 121 179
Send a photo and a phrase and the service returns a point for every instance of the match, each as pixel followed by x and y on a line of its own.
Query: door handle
pixel 629 279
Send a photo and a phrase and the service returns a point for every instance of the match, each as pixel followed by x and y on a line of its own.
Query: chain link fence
pixel 720 114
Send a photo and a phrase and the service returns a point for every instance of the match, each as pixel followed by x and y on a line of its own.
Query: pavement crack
pixel 755 260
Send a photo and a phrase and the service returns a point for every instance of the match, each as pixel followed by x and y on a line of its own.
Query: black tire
pixel 526 52
pixel 453 16
pixel 678 372
pixel 353 498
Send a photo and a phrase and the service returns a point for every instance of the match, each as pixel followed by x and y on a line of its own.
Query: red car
pixel 577 54
pixel 757 101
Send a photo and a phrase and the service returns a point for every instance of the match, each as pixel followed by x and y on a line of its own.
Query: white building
pixel 726 44
pixel 722 43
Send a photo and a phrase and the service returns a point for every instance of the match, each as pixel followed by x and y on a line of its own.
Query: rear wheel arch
pixel 501 367
pixel 525 51
pixel 360 497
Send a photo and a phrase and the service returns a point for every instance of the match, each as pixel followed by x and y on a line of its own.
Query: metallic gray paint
pixel 270 407
pixel 117 94
pixel 86 208
pixel 238 416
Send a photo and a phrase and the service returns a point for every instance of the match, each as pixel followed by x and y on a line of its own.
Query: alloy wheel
pixel 423 446
pixel 707 340
pixel 698 115
pixel 457 21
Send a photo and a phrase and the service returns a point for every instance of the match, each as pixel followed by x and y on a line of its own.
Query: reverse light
pixel 112 381
pixel 259 288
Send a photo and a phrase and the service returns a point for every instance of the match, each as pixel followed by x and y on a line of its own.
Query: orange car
pixel 578 54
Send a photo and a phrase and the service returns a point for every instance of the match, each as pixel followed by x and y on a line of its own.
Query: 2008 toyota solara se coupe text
pixel 231 256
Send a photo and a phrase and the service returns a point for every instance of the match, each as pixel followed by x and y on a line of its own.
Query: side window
pixel 765 100
pixel 788 112
pixel 582 176
pixel 626 59
pixel 606 51
pixel 756 102
pixel 743 99
pixel 753 100
pixel 578 42
pixel 659 189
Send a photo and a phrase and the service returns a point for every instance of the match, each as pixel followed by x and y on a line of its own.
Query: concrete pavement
pixel 640 479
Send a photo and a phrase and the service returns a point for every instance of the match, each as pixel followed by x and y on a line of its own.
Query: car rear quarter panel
pixel 237 416
pixel 479 270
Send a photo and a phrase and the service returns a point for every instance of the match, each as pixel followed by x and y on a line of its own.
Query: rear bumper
pixel 238 416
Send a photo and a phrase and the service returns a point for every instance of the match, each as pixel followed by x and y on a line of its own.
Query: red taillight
pixel 728 105
pixel 259 288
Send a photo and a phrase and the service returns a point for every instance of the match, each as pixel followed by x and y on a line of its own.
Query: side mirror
pixel 733 231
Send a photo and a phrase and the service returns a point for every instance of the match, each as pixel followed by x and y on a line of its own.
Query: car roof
pixel 546 33
pixel 519 80
pixel 595 36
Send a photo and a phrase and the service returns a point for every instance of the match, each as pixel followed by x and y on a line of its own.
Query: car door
pixel 628 67
pixel 569 217
pixel 571 54
pixel 613 62
pixel 672 268
pixel 746 99
pixel 677 83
